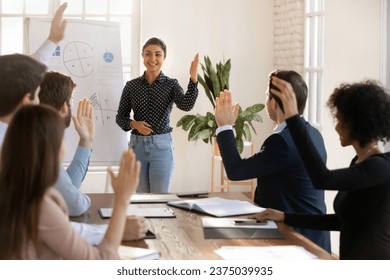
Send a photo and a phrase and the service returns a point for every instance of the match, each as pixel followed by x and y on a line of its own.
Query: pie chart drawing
pixel 78 59
pixel 108 57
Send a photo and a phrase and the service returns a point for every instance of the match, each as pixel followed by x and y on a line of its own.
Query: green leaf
pixel 240 145
pixel 199 126
pixel 192 134
pixel 204 134
pixel 214 80
pixel 211 123
pixel 216 84
pixel 258 118
pixel 207 90
pixel 186 121
pixel 225 73
pixel 247 132
pixel 255 108
pixel 253 128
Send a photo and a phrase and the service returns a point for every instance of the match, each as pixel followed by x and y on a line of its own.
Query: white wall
pixel 352 53
pixel 243 31
pixel 221 29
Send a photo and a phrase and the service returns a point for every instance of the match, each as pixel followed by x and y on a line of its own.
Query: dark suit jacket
pixel 282 181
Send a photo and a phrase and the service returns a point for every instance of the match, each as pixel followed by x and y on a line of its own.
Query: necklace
pixel 367 154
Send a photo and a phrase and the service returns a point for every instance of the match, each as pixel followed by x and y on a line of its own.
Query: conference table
pixel 182 238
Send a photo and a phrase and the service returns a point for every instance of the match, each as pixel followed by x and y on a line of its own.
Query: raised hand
pixel 225 113
pixel 84 123
pixel 124 184
pixel 287 96
pixel 194 69
pixel 126 181
pixel 58 25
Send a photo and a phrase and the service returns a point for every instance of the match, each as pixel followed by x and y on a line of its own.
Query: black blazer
pixel 282 181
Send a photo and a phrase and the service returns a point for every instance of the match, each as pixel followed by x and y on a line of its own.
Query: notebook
pixel 287 252
pixel 233 228
pixel 135 253
pixel 218 207
pixel 153 197
pixel 161 211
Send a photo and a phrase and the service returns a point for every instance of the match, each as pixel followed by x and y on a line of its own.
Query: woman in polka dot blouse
pixel 151 97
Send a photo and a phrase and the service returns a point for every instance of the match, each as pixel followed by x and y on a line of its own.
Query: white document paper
pixel 218 207
pixel 153 198
pixel 93 234
pixel 135 253
pixel 137 210
pixel 289 252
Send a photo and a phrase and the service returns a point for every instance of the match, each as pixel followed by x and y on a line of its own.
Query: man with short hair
pixel 57 91
pixel 282 180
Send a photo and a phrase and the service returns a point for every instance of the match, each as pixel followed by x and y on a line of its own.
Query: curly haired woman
pixel 362 205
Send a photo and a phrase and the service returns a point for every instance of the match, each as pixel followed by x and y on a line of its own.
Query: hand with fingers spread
pixel 269 214
pixel 124 184
pixel 84 123
pixel 135 228
pixel 126 181
pixel 142 127
pixel 58 25
pixel 225 113
pixel 194 69
pixel 287 96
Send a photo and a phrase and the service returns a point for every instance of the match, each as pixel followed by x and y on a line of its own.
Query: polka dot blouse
pixel 153 103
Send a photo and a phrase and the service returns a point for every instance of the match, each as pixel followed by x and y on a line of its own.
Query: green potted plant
pixel 215 80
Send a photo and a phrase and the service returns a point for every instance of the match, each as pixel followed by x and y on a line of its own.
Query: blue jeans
pixel 155 153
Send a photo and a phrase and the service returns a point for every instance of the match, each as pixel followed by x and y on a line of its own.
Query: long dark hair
pixel 29 165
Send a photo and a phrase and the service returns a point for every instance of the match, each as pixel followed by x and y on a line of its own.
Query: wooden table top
pixel 182 238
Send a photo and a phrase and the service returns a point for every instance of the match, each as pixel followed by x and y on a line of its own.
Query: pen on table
pixel 249 222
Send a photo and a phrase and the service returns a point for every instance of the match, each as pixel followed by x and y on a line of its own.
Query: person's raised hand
pixel 225 113
pixel 287 96
pixel 58 25
pixel 126 181
pixel 194 68
pixel 84 123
